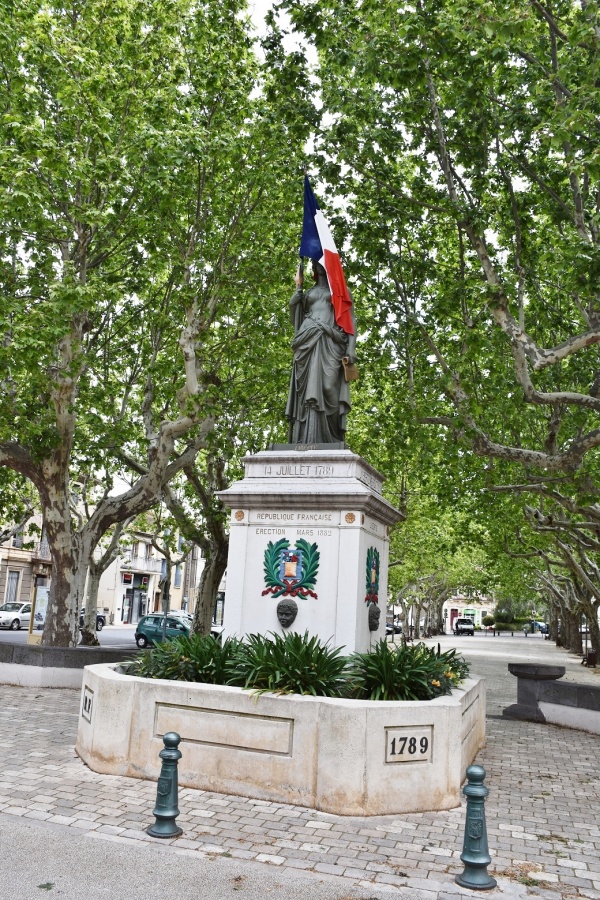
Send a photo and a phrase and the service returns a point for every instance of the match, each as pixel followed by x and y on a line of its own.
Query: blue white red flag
pixel 317 243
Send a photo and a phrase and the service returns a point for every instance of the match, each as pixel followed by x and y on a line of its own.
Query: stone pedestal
pixel 530 682
pixel 310 527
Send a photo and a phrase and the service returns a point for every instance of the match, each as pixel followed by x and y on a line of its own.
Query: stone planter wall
pixel 32 665
pixel 348 757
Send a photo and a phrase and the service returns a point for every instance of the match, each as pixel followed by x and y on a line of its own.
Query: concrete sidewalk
pixel 83 833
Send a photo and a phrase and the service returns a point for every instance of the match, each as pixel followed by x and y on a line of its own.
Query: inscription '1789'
pixel 299 470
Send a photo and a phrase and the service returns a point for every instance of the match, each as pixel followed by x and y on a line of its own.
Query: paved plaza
pixel 69 831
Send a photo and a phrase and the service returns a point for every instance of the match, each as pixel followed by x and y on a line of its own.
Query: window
pixel 12 587
pixel 17 540
pixel 177 579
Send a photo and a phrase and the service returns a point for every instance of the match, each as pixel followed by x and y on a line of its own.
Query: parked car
pixel 181 614
pixel 464 626
pixel 542 627
pixel 100 619
pixel 15 615
pixel 392 628
pixel 149 629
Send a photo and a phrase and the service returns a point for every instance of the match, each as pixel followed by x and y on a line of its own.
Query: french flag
pixel 317 243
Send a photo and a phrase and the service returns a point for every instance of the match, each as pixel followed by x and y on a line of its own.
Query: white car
pixel 181 614
pixel 15 615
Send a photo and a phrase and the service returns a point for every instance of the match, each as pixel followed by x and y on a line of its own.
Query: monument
pixel 308 551
pixel 309 537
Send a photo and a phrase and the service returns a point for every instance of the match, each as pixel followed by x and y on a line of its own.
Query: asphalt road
pixel 110 636
pixel 38 861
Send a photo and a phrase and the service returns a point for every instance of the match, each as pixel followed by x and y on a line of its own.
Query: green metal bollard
pixel 166 809
pixel 475 855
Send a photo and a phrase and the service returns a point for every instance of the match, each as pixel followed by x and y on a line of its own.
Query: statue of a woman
pixel 319 398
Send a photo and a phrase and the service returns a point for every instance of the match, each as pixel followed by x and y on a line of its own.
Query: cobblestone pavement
pixel 543 827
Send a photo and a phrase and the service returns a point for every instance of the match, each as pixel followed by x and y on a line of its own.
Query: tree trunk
pixel 594 632
pixel 97 567
pixel 210 580
pixel 573 634
pixel 67 588
pixel 553 614
pixel 417 621
pixel 89 637
pixel 70 558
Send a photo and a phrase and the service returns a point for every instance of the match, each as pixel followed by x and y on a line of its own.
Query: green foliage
pixel 145 180
pixel 405 672
pixel 196 658
pixel 506 626
pixel 458 137
pixel 487 621
pixel 503 615
pixel 301 664
pixel 292 664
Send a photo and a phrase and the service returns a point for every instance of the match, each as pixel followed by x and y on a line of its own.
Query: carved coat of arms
pixel 291 572
pixel 372 580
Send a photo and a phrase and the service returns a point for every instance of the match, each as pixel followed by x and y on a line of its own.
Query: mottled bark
pixel 89 637
pixel 96 568
pixel 210 579
pixel 594 632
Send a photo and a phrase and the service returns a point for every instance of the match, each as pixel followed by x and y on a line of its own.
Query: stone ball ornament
pixel 374 616
pixel 287 610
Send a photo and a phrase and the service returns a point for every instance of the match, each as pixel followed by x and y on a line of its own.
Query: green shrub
pixel 502 617
pixel 487 621
pixel 292 664
pixel 300 664
pixel 404 672
pixel 506 626
pixel 198 657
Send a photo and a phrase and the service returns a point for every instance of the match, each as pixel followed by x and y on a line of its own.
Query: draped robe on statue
pixel 319 397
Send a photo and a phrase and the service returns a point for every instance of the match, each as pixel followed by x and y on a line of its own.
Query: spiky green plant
pixel 404 672
pixel 197 657
pixel 292 664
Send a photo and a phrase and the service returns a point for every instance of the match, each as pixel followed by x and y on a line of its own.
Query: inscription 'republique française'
pixel 294 517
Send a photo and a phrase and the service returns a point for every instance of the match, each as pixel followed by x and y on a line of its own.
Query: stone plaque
pixel 408 744
pixel 87 703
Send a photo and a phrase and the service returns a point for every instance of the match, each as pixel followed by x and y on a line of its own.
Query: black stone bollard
pixel 475 855
pixel 166 809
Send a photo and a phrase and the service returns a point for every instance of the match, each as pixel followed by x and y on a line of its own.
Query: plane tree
pixel 461 138
pixel 142 170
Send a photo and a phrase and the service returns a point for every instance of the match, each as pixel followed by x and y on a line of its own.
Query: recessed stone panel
pixel 241 731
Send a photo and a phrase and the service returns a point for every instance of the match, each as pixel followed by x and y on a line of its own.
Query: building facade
pixel 25 564
pixel 465 608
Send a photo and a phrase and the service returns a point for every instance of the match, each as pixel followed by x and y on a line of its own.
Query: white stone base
pixel 331 499
pixel 571 716
pixel 339 756
pixel 40 676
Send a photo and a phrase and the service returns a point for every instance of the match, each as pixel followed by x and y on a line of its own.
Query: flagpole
pixel 301 257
